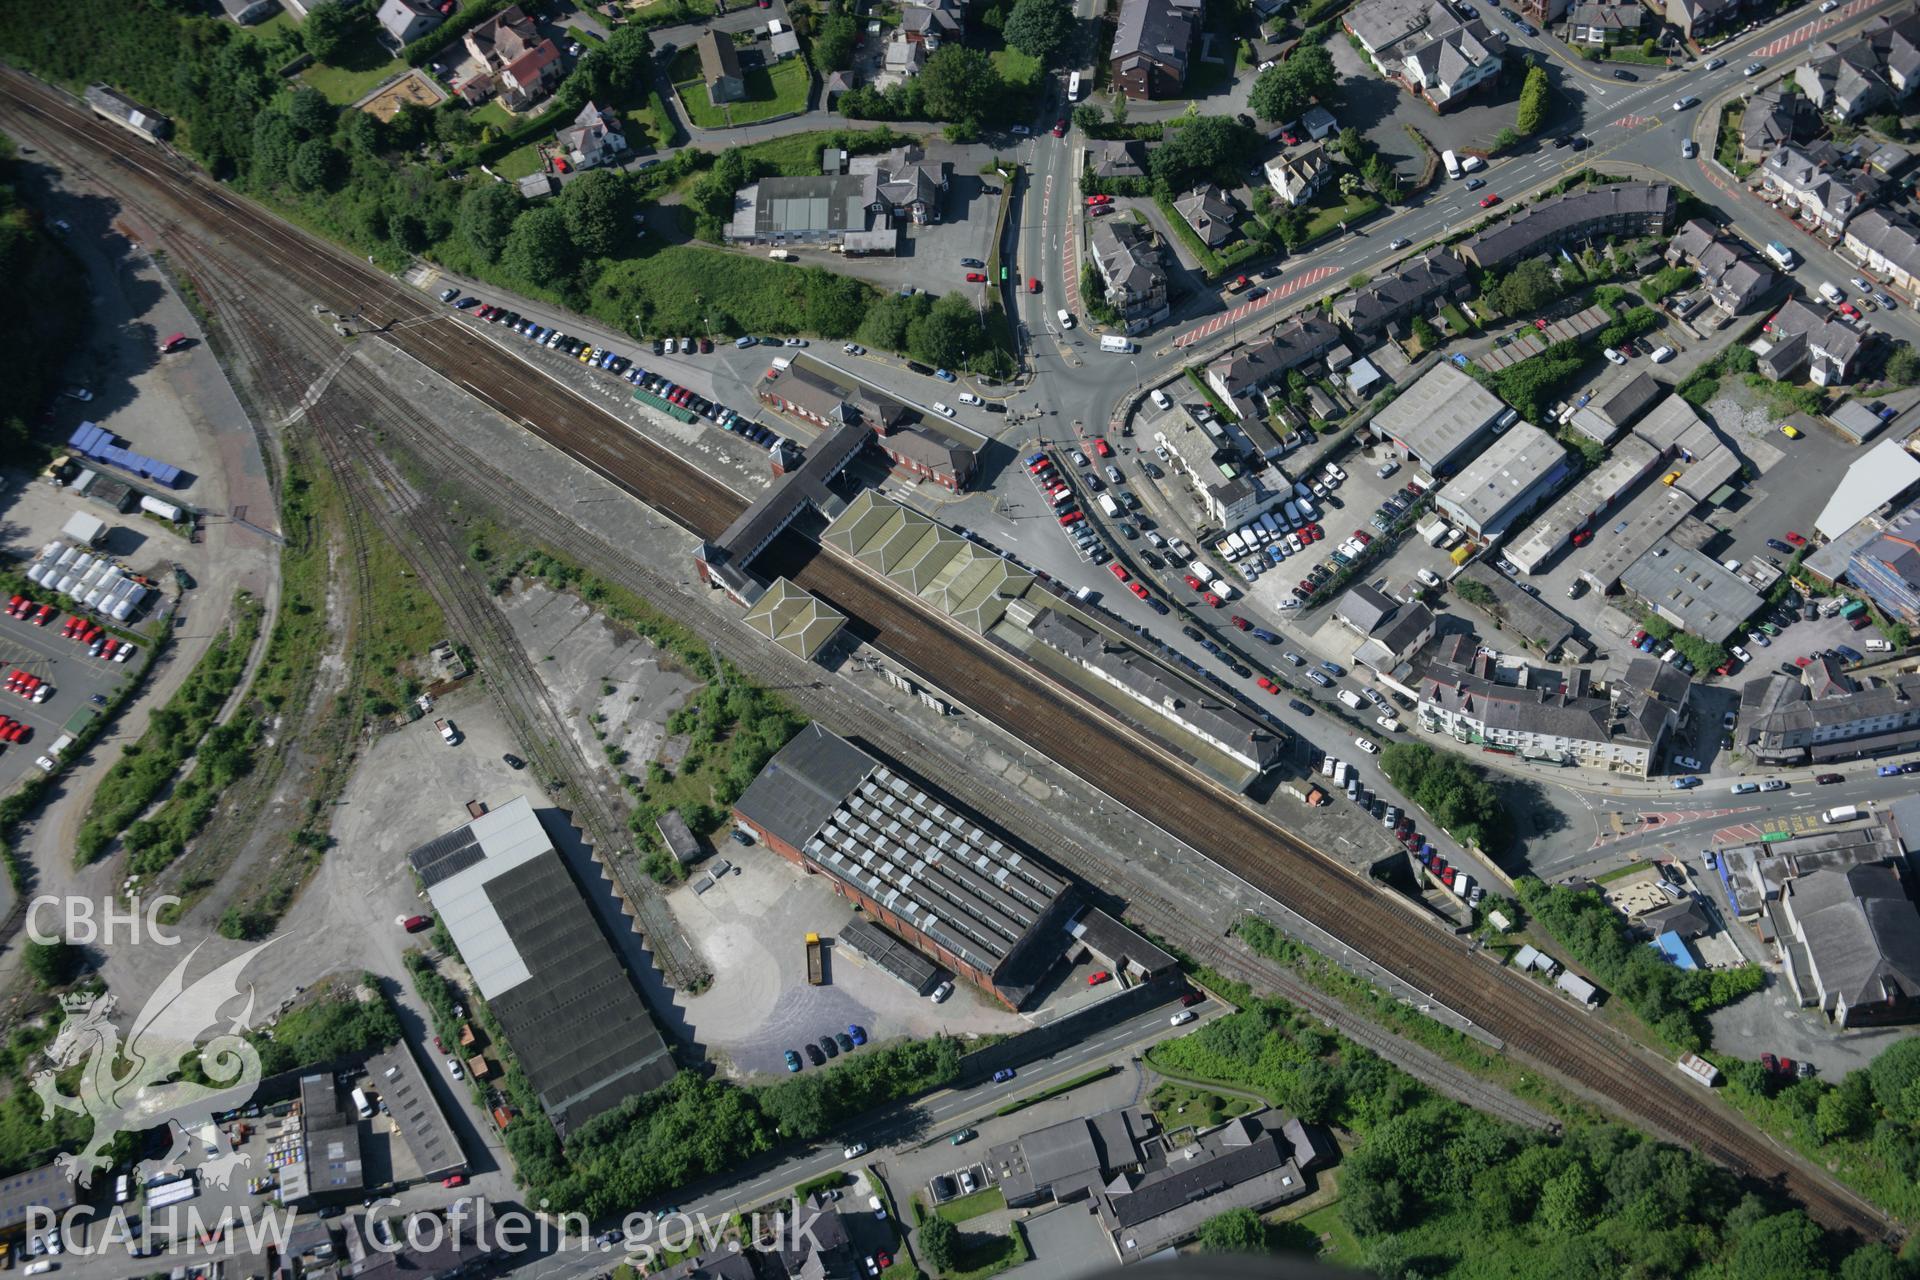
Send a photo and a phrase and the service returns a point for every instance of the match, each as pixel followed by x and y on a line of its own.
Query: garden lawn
pixel 1338 1244
pixel 1327 217
pixel 359 65
pixel 960 1209
pixel 771 91
pixel 518 163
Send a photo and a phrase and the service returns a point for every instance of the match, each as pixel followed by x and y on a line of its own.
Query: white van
pixel 1066 318
pixel 1113 342
pixel 1879 646
pixel 1268 523
pixel 1453 164
pixel 1348 698
pixel 1832 294
pixel 1473 164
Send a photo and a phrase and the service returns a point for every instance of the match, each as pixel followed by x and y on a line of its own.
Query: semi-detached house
pixel 1887 244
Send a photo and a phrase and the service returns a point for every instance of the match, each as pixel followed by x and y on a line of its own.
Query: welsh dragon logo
pixel 136 1085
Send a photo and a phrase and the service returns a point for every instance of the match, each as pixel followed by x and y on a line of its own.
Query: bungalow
pixel 1206 210
pixel 720 68
pixel 407 20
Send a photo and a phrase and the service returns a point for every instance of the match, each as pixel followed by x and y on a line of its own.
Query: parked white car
pixel 1367 745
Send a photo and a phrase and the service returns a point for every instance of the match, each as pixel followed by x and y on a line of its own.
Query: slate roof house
pixel 1615 209
pixel 1297 173
pixel 1816 181
pixel 720 68
pixel 1207 210
pixel 1733 278
pixel 592 138
pixel 1860 938
pixel 1793 720
pixel 1804 338
pixel 1774 119
pixel 1127 260
pixel 1425 46
pixel 1606 23
pixel 1120 159
pixel 1152 44
pixel 1414 288
pixel 1873 70
pixel 861 210
pixel 1294 341
pixel 1887 568
pixel 513 60
pixel 407 20
pixel 1888 244
pixel 1694 19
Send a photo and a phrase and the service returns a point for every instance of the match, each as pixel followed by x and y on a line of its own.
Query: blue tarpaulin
pixel 1675 948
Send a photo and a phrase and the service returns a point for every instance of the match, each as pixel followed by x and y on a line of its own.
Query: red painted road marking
pixel 1631 121
pixel 1826 22
pixel 1219 322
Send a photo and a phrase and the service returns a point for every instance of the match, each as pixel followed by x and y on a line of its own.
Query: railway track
pixel 1532 1021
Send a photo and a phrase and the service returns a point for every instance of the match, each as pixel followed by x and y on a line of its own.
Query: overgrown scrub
pixel 1673 1002
pixel 1864 1127
pixel 46 322
pixel 175 732
pixel 332 1024
pixel 1453 792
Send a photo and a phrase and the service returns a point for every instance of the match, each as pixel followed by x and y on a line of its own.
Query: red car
pixel 1489 200
pixel 439 1044
pixel 1119 572
pixel 1101 447
pixel 1033 284
pixel 16 605
pixel 1828 779
pixel 975 277
pixel 1137 589
pixel 1267 684
pixel 1098 976
pixel 414 924
pixel 1060 127
pixel 1212 599
pixel 1099 209
pixel 1640 633
pixel 454 1180
pixel 1240 622
pixel 1041 466
pixel 45 616
pixel 1848 310
pixel 1364 539
pixel 1072 517
pixel 1195 583
pixel 1191 999
pixel 1795 539
pixel 1540 324
pixel 1581 537
pixel 1098 200
pixel 1803 662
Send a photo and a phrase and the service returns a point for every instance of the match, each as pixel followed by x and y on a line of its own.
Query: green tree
pixel 1873 1262
pixel 1903 366
pixel 1567 1200
pixel 1506 139
pixel 1783 1246
pixel 1475 593
pixel 947 334
pixel 1528 287
pixel 1282 92
pixel 1894 1075
pixel 1204 147
pixel 834 43
pixel 940 1244
pixel 1087 117
pixel 329 26
pixel 1235 1231
pixel 486 217
pixel 885 325
pixel 51 964
pixel 315 166
pixel 1039 27
pixel 959 84
pixel 1531 116
pixel 1423 333
pixel 1843 1112
pixel 540 249
pixel 599 208
pixel 310 113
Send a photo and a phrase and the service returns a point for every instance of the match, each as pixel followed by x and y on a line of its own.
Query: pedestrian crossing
pixel 1217 323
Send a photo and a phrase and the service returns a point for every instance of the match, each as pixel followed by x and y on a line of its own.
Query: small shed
pixel 84 529
pixel 678 839
pixel 1579 988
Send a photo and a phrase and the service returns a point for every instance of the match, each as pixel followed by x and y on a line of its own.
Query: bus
pixel 1073 87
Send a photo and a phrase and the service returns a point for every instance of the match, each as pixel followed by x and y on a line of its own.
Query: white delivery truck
pixel 1113 342
pixel 1348 698
pixel 1845 813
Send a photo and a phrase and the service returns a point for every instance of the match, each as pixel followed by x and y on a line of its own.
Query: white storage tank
pixel 165 510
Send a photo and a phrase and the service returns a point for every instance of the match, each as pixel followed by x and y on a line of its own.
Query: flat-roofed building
pixel 560 991
pixel 1444 419
pixel 1585 505
pixel 1509 479
pixel 987 909
pixel 1692 591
